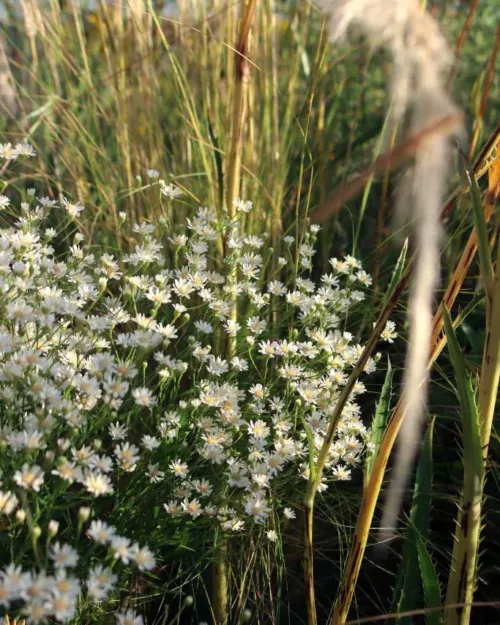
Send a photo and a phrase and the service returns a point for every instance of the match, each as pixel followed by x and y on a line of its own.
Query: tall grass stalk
pixel 220 599
pixel 372 491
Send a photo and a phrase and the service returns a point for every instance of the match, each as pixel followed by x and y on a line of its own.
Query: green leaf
pixel 420 514
pixel 473 457
pixel 379 422
pixel 430 583
pixel 397 273
pixel 407 592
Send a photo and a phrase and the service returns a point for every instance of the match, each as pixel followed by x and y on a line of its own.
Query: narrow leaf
pixel 430 583
pixel 379 422
pixel 470 418
pixel 398 272
pixel 407 592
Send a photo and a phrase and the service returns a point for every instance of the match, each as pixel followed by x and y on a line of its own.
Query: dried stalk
pixel 462 37
pixel 239 111
pixel 239 117
pixel 220 598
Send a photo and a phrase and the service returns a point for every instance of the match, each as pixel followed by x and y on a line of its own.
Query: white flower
pixel 144 558
pixel 8 502
pixel 101 532
pixel 97 483
pixel 272 536
pixel 239 364
pixel 69 472
pixel 122 549
pixel 152 173
pixel 63 555
pixel 288 513
pixel 233 525
pixel 74 208
pixel 100 582
pixel 4 202
pixel 144 397
pixel 257 507
pixel 193 507
pixel 171 191
pixel 155 475
pixel 25 149
pixel 8 152
pixel 128 456
pixel 29 477
pixel 258 429
pixel 173 508
pixel 150 442
pixel 118 431
pixel 341 473
pixel 129 618
pixel 389 333
pixel 243 206
pixel 179 468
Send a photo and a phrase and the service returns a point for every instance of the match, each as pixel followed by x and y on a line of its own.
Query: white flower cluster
pixel 200 382
pixel 9 153
pixel 56 595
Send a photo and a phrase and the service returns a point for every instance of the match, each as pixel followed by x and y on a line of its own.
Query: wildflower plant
pixel 122 417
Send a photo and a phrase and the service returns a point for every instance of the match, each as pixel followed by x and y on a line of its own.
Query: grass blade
pixel 470 420
pixel 379 422
pixel 398 271
pixel 430 582
pixel 412 571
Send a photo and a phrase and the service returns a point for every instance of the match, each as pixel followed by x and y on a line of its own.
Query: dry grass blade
pixel 220 598
pixel 462 37
pixel 386 162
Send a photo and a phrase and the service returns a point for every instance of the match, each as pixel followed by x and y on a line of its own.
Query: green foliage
pixel 416 567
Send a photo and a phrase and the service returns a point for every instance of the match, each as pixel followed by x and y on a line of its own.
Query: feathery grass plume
pixel 418 96
pixel 8 92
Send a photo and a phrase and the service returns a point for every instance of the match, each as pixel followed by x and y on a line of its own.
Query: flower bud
pixel 53 527
pixel 188 601
pixel 83 514
pixel 49 456
pixel 35 532
pixel 20 516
